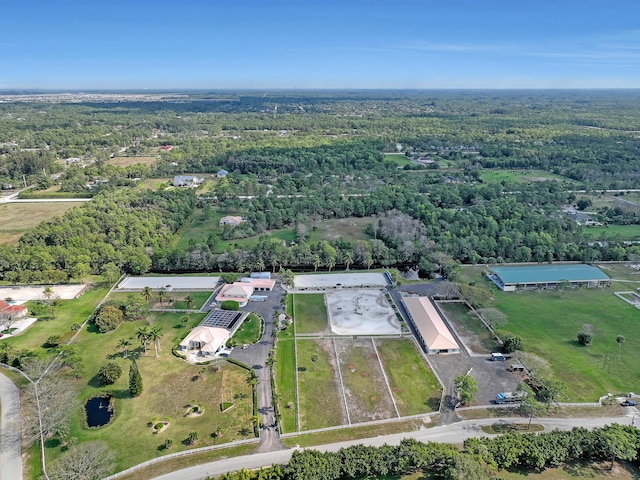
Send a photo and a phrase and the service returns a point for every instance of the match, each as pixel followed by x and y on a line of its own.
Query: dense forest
pixel 298 158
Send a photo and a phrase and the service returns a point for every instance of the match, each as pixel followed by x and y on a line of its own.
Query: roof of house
pixel 231 219
pixel 430 324
pixel 11 310
pixel 211 337
pixel 240 292
pixel 259 282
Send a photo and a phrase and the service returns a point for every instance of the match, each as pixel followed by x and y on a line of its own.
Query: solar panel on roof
pixel 221 319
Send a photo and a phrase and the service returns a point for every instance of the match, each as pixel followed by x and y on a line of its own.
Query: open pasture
pixel 367 394
pixel 319 394
pixel 413 385
pixel 128 161
pixel 310 313
pixel 350 229
pixel 549 322
pixel 17 218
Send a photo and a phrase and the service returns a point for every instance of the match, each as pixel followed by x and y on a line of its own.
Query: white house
pixel 231 220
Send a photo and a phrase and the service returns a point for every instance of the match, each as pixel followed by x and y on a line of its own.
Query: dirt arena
pixel 24 294
pixel 361 312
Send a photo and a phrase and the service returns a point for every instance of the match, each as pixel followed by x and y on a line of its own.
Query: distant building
pixel 222 173
pixel 531 277
pixel 187 181
pixel 231 220
pixel 166 148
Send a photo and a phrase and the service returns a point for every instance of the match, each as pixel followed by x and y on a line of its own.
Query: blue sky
pixel 161 44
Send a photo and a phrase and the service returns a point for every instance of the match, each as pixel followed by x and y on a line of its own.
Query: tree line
pixel 479 458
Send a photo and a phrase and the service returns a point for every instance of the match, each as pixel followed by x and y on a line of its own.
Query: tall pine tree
pixel 135 380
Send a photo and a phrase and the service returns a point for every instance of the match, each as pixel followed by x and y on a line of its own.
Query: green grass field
pixel 310 313
pixel 414 386
pixel 319 397
pixel 369 397
pixel 477 336
pixel 68 313
pixel 349 229
pixel 170 384
pixel 549 323
pixel 614 232
pixel 250 330
pixel 17 218
pixel 399 159
pixel 285 382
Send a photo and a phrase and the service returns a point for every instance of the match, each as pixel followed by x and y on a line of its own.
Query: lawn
pixel 399 159
pixel 414 386
pixel 68 313
pixel 349 229
pixel 128 161
pixel 368 397
pixel 17 218
pixel 310 313
pixel 475 335
pixel 284 373
pixel 170 384
pixel 549 323
pixel 320 401
pixel 173 299
pixel 619 233
pixel 250 331
pixel 199 228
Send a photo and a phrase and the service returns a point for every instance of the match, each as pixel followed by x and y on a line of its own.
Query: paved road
pixel 455 433
pixel 256 356
pixel 10 450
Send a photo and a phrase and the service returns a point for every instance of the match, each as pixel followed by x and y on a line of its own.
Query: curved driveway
pixel 10 449
pixel 455 433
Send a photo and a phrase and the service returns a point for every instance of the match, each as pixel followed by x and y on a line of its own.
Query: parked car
pixel 629 403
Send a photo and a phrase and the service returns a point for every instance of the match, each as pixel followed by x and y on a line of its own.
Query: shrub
pixel 230 305
pixel 108 318
pixel 109 373
pixel 168 443
pixel 511 343
pixel 585 338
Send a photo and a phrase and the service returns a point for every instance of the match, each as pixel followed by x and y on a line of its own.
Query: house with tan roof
pixel 431 330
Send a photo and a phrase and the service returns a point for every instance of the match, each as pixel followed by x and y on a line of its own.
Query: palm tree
pixel 314 359
pixel 189 301
pixel 184 319
pixel 316 262
pixel 348 258
pixel 143 336
pixel 123 344
pixel 154 335
pixel 146 294
pixel 161 295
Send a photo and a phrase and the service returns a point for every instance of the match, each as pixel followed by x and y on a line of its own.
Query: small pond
pixel 99 411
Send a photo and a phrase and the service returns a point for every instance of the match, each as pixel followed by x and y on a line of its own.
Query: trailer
pixel 510 397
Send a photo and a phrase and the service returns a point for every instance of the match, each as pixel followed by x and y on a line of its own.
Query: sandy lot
pixel 334 280
pixel 176 283
pixel 361 312
pixel 23 294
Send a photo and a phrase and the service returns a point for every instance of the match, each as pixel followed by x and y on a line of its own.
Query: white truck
pixel 510 397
